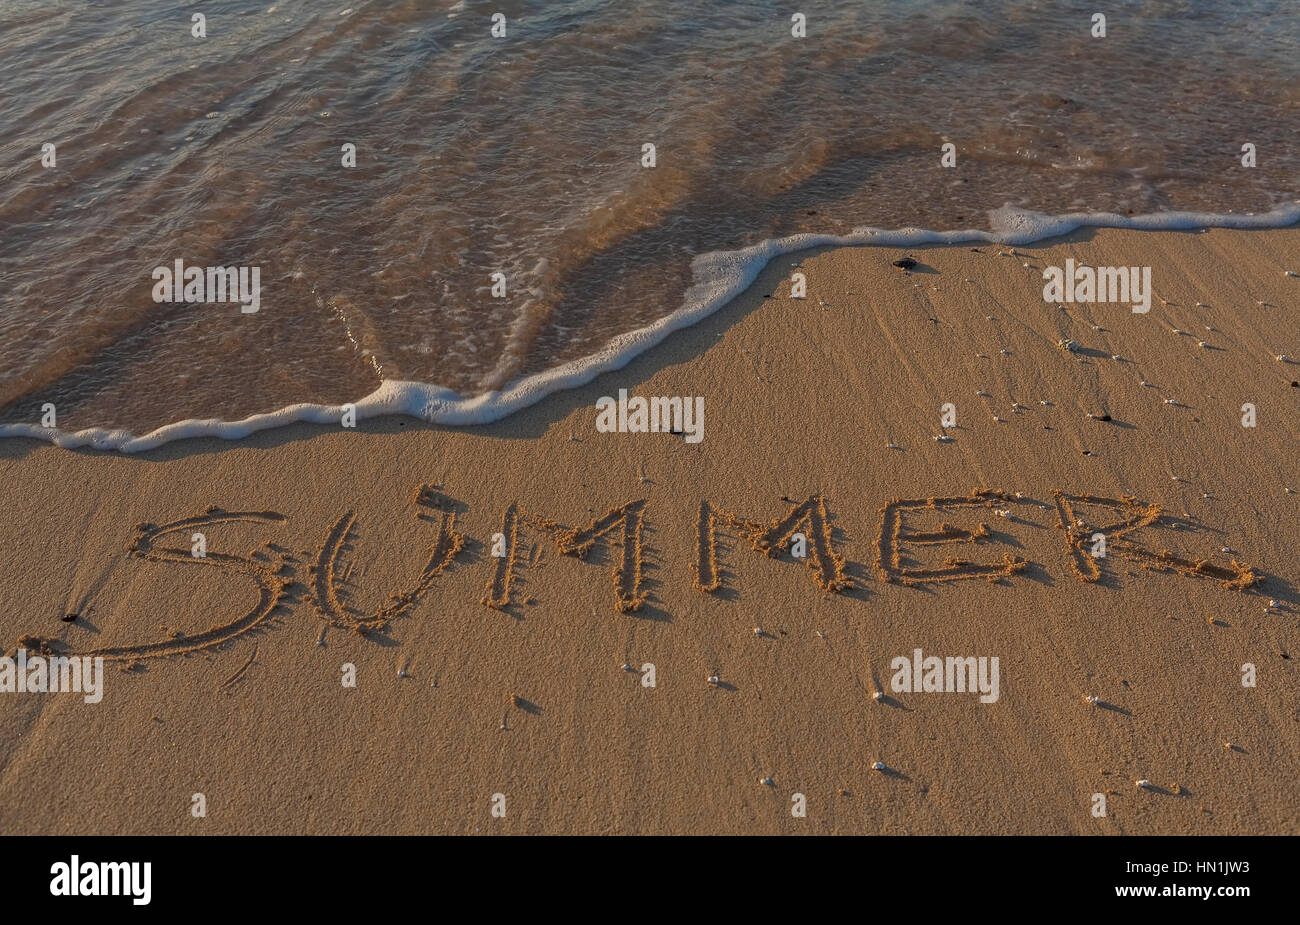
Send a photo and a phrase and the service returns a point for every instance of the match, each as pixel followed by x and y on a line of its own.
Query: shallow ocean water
pixel 523 156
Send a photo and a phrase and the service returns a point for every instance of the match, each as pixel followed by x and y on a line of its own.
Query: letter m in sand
pixel 625 522
pixel 811 515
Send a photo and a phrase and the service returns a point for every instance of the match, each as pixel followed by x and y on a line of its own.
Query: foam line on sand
pixel 717 278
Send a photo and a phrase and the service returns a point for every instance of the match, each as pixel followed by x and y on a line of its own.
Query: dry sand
pixel 802 398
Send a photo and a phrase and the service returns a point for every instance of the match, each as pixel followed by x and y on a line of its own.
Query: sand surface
pixel 224 675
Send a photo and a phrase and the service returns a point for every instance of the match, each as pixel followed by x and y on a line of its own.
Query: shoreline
pixel 718 279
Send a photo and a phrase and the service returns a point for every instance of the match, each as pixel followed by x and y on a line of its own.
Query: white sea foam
pixel 717 278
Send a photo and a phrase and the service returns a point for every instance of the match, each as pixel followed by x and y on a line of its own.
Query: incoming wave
pixel 717 278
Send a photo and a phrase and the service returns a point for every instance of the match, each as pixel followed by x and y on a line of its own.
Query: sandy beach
pixel 528 676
